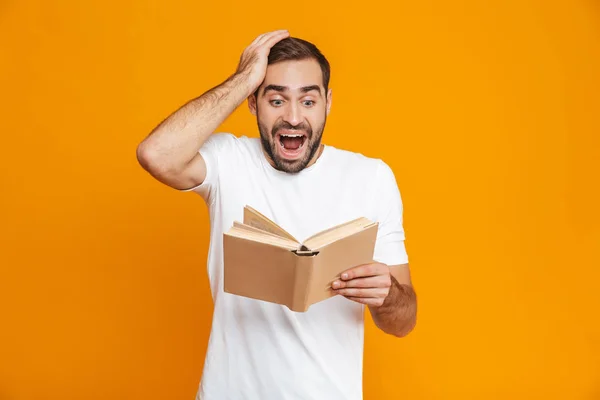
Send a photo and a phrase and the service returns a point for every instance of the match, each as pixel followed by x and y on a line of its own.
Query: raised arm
pixel 170 152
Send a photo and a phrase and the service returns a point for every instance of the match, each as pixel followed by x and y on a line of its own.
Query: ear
pixel 252 104
pixel 328 100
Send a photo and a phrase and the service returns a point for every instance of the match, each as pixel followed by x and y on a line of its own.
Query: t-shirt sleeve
pixel 389 246
pixel 212 150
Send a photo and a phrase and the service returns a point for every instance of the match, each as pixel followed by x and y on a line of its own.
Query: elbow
pixel 160 167
pixel 150 160
pixel 144 155
pixel 402 329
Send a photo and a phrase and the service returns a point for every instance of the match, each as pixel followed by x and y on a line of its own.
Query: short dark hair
pixel 296 49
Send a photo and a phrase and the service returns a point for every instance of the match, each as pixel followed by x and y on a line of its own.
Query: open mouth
pixel 291 144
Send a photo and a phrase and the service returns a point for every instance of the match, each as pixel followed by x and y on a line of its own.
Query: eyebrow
pixel 278 88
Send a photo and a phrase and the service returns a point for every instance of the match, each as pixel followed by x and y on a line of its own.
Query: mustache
pixel 286 125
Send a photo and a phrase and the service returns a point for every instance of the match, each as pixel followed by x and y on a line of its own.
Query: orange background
pixel 488 112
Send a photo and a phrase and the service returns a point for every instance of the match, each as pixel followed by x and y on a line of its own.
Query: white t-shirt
pixel 263 351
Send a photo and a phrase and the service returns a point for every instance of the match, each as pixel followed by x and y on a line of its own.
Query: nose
pixel 293 114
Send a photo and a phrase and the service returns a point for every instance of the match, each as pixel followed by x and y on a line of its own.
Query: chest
pixel 301 204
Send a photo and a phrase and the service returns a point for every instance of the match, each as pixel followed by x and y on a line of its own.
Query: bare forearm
pixel 397 316
pixel 176 140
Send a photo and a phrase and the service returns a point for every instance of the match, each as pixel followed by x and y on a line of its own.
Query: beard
pixel 269 143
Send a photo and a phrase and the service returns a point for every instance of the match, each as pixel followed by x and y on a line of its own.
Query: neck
pixel 317 155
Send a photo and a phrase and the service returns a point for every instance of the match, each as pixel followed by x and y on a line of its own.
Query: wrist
pixel 239 81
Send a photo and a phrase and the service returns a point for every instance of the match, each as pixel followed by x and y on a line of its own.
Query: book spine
pixel 303 274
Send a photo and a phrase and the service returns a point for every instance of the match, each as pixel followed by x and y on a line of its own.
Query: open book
pixel 264 262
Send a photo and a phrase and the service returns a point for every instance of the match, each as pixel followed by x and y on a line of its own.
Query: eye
pixel 308 103
pixel 276 102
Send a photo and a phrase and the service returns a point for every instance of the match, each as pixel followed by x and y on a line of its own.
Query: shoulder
pixel 222 139
pixel 229 144
pixel 356 162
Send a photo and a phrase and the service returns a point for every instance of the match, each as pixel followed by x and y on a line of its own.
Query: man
pixel 261 350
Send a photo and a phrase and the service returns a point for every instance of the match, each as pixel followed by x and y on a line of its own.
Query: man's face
pixel 291 109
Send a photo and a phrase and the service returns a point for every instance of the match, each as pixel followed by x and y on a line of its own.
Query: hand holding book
pixel 264 262
pixel 366 284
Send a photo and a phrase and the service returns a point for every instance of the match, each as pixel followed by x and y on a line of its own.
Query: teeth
pixel 293 135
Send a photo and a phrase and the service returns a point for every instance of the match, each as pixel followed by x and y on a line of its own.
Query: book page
pixel 257 235
pixel 257 220
pixel 251 228
pixel 337 232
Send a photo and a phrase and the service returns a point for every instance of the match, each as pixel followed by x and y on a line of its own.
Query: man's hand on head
pixel 252 66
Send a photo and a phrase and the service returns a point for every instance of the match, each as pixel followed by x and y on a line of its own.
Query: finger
pixel 364 293
pixel 367 301
pixel 270 39
pixel 268 35
pixel 258 38
pixel 369 282
pixel 365 270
